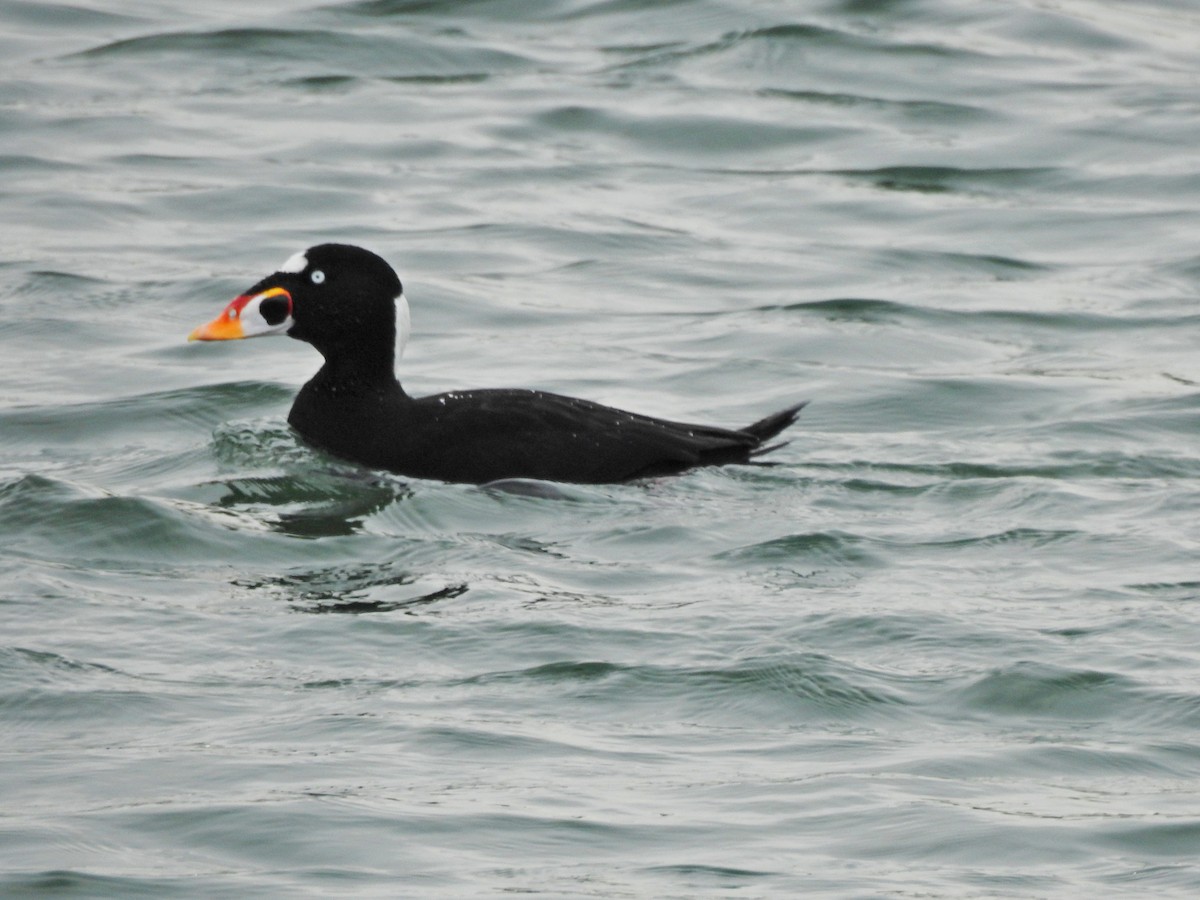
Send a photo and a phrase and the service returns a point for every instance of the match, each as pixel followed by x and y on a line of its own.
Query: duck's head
pixel 337 297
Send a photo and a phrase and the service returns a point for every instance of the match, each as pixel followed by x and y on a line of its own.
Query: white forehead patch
pixel 295 263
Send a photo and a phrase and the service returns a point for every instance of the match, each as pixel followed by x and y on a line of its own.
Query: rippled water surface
pixel 948 647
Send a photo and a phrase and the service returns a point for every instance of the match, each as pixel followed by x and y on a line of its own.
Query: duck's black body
pixel 344 301
pixel 481 436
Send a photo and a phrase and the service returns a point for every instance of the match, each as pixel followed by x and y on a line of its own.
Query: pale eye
pixel 317 276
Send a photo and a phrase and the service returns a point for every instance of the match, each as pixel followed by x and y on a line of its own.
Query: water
pixel 947 648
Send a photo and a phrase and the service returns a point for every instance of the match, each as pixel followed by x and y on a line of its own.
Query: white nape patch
pixel 403 325
pixel 297 262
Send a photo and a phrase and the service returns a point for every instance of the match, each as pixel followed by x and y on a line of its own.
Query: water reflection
pixel 356 589
pixel 313 504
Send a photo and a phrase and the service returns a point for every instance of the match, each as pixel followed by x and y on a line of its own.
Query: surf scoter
pixel 348 303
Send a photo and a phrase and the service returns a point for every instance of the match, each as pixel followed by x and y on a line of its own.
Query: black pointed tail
pixel 767 428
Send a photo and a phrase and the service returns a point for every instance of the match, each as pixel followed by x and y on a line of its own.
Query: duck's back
pixel 485 435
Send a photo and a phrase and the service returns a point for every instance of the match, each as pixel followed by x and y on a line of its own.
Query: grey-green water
pixel 949 647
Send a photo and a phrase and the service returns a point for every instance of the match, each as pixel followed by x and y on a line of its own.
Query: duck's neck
pixel 358 373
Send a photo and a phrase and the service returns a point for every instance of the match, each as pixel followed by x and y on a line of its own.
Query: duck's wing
pixel 483 435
